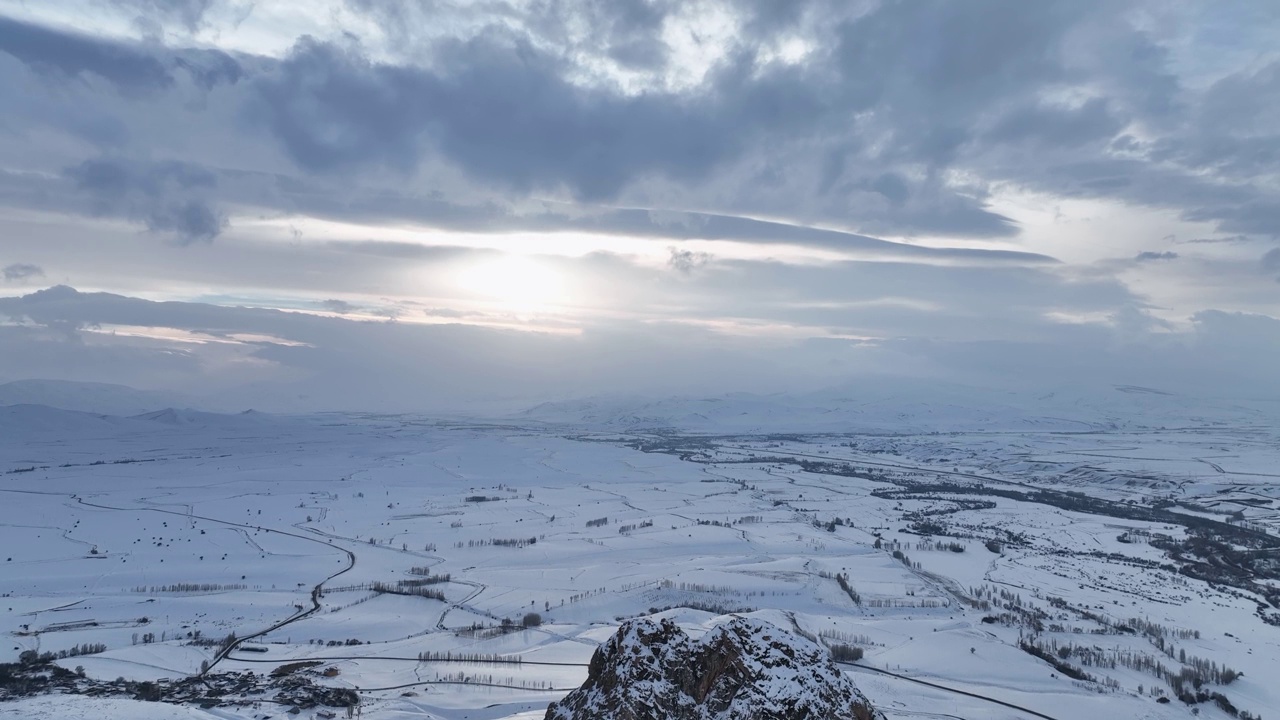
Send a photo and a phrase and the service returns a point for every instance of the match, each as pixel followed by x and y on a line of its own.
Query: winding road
pixel 966 693
pixel 315 590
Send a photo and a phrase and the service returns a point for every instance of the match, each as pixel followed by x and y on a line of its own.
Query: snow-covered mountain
pixel 97 398
pixel 745 669
pixel 21 422
pixel 175 416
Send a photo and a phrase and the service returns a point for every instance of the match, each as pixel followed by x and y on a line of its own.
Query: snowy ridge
pixel 745 669
pixel 175 416
pixel 25 421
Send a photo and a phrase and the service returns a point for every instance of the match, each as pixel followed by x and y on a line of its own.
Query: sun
pixel 516 282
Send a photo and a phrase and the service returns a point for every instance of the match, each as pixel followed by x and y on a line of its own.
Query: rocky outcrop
pixel 745 669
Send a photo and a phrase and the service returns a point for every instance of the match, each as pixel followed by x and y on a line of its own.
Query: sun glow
pixel 516 282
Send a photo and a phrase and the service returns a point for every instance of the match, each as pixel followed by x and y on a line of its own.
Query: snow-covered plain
pixel 149 532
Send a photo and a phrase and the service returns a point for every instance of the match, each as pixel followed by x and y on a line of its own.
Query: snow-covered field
pixel 159 535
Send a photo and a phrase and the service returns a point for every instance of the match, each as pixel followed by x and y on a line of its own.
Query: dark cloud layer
pixel 128 68
pixel 169 197
pixel 898 120
pixel 497 107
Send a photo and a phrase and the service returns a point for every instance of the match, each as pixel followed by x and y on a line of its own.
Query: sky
pixel 366 204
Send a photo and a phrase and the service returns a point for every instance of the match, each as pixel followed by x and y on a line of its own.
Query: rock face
pixel 746 669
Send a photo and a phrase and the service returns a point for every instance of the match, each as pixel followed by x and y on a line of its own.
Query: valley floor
pixel 408 559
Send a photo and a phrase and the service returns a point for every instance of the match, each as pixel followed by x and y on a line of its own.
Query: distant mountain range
pixel 60 408
pixel 910 406
pixel 97 398
pixel 25 422
pixel 874 405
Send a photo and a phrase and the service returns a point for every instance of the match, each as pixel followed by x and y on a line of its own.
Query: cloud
pixel 187 13
pixel 1240 334
pixel 898 120
pixel 629 222
pixel 130 69
pixel 341 307
pixel 325 362
pixel 505 111
pixel 1271 260
pixel 19 272
pixel 1230 239
pixel 170 198
pixel 501 109
pixel 398 250
pixel 446 313
pixel 686 261
pixel 894 146
pixel 188 220
pixel 329 362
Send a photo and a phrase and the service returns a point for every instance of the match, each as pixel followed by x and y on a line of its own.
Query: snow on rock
pixel 745 669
